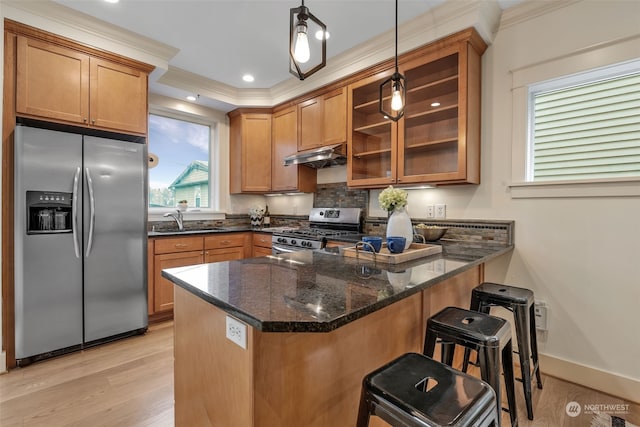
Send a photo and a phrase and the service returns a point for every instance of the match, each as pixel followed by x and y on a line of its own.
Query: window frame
pixel 214 145
pixel 594 59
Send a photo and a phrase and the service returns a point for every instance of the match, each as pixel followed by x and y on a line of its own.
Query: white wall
pixel 580 255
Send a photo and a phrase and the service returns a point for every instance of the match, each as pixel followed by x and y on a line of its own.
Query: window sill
pixel 629 187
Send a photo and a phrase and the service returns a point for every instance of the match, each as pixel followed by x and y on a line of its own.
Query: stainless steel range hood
pixel 317 158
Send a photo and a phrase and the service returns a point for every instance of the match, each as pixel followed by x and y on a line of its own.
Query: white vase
pixel 399 224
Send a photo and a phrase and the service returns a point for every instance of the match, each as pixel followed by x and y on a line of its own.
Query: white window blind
pixel 586 131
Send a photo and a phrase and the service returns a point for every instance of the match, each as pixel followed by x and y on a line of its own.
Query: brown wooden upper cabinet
pixel 57 83
pixel 438 139
pixel 323 120
pixel 249 152
pixel 284 142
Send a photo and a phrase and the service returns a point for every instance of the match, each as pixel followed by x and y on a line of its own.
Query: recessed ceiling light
pixel 248 78
pixel 112 1
pixel 191 98
pixel 319 35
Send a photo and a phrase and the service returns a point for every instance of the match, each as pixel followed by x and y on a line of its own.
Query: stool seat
pixel 471 326
pixel 415 390
pixel 500 294
pixel 521 302
pixel 489 335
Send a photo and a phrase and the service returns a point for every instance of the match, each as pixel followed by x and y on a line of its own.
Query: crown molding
pixel 58 19
pixel 447 18
pixel 531 9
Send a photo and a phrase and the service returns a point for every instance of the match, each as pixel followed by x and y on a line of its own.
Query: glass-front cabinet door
pixel 440 140
pixel 429 149
pixel 437 141
pixel 372 139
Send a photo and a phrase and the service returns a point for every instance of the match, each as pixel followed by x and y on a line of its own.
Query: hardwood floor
pixel 130 383
pixel 125 383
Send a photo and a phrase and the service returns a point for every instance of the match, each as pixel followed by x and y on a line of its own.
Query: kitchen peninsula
pixel 312 325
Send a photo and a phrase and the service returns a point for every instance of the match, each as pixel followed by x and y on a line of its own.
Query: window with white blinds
pixel 586 130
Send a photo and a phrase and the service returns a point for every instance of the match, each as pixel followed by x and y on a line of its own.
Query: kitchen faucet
pixel 178 217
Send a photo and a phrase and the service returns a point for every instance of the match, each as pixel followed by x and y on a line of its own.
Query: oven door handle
pixel 281 249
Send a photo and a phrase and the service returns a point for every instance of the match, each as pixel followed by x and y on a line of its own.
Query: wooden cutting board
pixel 414 251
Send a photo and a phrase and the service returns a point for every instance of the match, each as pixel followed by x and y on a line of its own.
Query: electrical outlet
pixel 431 211
pixel 441 211
pixel 540 310
pixel 237 332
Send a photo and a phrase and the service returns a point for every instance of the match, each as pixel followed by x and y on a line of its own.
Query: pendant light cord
pixel 396 36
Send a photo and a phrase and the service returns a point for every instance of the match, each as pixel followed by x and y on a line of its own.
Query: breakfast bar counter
pixel 304 329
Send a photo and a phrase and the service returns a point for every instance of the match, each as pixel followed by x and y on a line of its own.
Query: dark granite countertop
pixel 319 291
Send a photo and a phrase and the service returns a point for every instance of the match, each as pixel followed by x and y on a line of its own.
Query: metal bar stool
pixel 417 391
pixel 520 302
pixel 489 335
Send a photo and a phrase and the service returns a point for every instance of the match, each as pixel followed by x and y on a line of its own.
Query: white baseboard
pixel 606 382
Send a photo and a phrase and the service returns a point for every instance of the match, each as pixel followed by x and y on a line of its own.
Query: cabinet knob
pixel 180 245
pixel 93 121
pixel 84 119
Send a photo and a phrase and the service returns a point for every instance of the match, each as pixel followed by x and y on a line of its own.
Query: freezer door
pixel 48 274
pixel 115 236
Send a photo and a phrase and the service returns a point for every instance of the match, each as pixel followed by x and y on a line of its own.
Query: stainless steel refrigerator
pixel 80 240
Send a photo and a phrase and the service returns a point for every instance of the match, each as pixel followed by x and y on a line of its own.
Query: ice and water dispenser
pixel 48 212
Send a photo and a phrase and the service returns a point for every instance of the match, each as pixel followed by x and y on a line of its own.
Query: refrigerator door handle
pixel 92 211
pixel 74 213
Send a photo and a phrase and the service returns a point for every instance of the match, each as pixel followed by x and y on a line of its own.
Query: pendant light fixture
pixel 300 51
pixel 395 88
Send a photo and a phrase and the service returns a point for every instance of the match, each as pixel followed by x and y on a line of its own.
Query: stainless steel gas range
pixel 324 224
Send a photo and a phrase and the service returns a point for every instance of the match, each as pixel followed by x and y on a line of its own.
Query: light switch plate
pixel 441 211
pixel 237 332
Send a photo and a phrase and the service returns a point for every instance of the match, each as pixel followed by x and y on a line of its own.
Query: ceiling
pixel 220 40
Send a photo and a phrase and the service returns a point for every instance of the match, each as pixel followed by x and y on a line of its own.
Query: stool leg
pixel 475 306
pixel 363 409
pixel 429 342
pixel 447 351
pixel 534 344
pixel 509 381
pixel 522 322
pixel 490 371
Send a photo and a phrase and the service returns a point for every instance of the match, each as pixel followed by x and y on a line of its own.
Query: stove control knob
pixel 293 242
pixel 282 240
pixel 303 243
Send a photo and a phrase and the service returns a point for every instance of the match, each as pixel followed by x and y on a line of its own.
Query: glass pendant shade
pixel 303 48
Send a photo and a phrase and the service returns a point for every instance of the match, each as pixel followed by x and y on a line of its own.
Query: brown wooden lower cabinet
pixel 163 293
pixel 261 244
pixel 171 252
pixel 288 378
